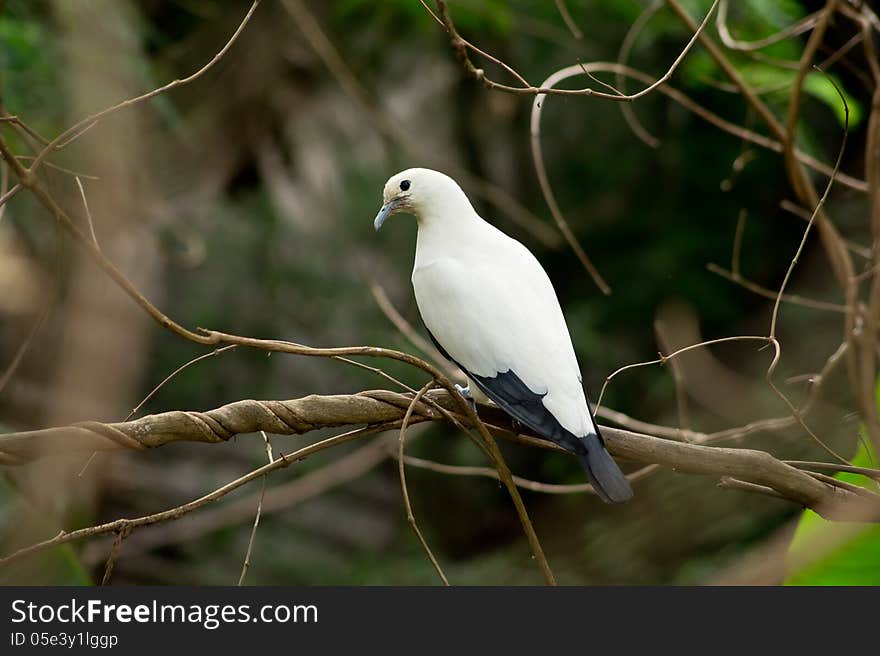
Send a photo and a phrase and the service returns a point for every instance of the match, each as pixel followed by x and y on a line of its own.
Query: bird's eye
pixel 404 185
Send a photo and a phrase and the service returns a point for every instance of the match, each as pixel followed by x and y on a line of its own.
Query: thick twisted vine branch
pixel 384 408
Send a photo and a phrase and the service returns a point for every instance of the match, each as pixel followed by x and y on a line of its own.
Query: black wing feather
pixel 516 399
pixel 521 403
pixel 442 350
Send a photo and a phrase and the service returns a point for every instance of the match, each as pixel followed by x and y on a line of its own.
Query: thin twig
pixel 415 148
pixel 61 169
pixel 524 483
pixel 82 193
pixel 121 533
pixel 25 346
pixel 800 212
pixel 663 340
pixel 167 378
pixel 381 410
pixel 755 288
pixel 569 21
pixel 816 211
pixel 48 201
pixel 795 29
pixel 278 498
pixel 283 461
pixel 480 52
pixel 626 47
pixel 770 370
pixel 664 358
pixel 4 187
pixel 460 46
pixel 78 129
pixel 410 516
pixel 216 337
pixel 406 329
pixel 833 466
pixel 247 556
pixel 737 242
pixel 6 196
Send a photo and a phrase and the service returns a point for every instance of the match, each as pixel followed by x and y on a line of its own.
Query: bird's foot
pixel 466 393
pixel 516 424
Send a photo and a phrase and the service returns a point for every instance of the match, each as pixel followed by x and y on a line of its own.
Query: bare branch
pixel 28 179
pixel 406 329
pixel 247 556
pixel 165 380
pixel 279 498
pixel 64 537
pixel 82 193
pixel 391 129
pixel 626 46
pixel 122 533
pixel 461 46
pixel 550 197
pixel 410 517
pixel 803 25
pixel 77 130
pixel 569 21
pixel 665 358
pixel 216 337
pixel 524 483
pixel 755 288
pixel 382 409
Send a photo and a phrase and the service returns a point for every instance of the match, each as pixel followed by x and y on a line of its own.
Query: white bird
pixel 490 308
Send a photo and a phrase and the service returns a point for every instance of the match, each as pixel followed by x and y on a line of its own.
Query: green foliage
pixel 58 566
pixel 241 261
pixel 768 17
pixel 855 560
pixel 29 63
pixel 818 85
pixel 487 17
pixel 63 567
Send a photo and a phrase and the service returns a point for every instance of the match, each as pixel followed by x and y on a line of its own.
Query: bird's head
pixel 417 192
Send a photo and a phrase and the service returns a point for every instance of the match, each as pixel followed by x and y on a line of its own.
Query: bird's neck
pixel 449 232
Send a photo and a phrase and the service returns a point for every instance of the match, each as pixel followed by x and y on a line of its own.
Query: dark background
pixel 244 202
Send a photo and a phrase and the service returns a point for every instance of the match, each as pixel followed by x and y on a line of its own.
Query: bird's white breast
pixel 490 304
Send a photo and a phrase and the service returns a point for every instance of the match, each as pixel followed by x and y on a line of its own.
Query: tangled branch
pixel 461 47
pixel 370 412
pixel 381 408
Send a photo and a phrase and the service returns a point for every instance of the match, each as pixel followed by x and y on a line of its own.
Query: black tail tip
pixel 604 474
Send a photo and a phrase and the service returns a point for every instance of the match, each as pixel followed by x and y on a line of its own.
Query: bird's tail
pixel 604 474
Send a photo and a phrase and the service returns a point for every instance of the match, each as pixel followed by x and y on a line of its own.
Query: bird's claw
pixel 466 393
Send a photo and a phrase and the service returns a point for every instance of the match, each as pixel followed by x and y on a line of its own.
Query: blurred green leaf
pixel 856 560
pixel 29 60
pixel 820 87
pixel 770 17
pixel 68 569
pixel 770 79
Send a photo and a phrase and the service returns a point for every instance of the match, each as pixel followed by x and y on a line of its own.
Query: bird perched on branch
pixel 490 308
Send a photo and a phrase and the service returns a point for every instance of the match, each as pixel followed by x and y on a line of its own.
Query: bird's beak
pixel 386 211
pixel 393 206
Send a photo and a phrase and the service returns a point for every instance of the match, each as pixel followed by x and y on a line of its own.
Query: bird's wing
pixel 517 400
pixel 497 316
